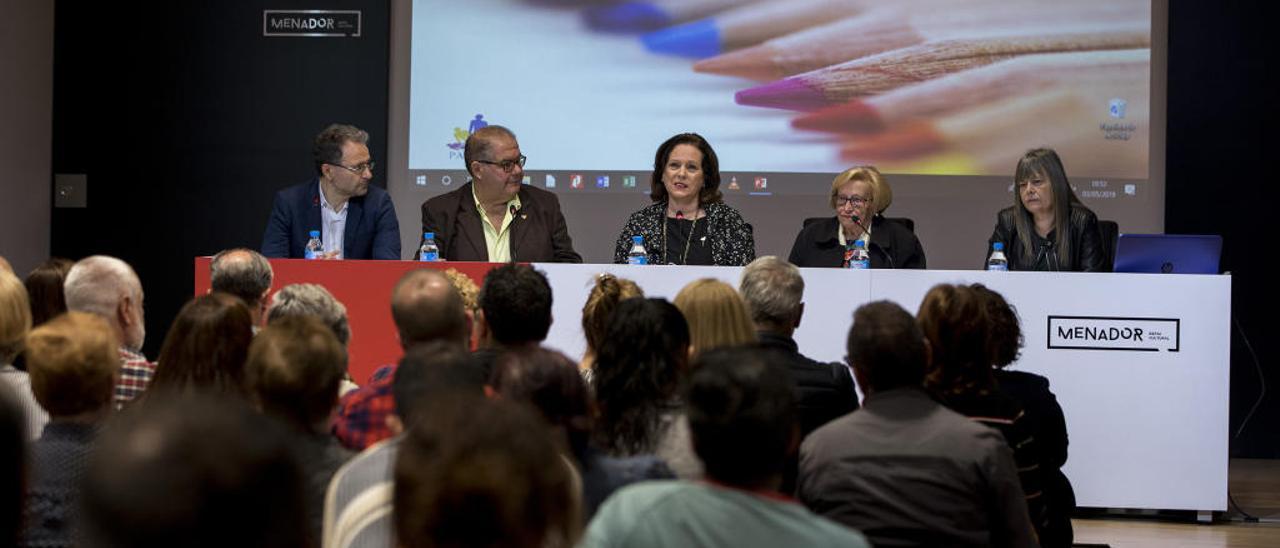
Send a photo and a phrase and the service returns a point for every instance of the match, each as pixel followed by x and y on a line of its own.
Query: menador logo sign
pixel 1114 333
pixel 311 23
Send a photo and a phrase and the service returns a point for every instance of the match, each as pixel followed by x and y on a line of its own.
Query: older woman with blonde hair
pixel 717 315
pixel 606 293
pixel 859 197
pixel 15 323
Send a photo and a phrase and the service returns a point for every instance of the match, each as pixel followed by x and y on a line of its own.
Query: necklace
pixel 684 259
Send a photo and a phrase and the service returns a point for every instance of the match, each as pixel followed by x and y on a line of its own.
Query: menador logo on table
pixel 1114 333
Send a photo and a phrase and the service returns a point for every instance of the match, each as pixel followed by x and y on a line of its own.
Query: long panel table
pixel 1139 362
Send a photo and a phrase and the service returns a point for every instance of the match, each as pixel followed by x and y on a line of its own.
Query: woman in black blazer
pixel 858 196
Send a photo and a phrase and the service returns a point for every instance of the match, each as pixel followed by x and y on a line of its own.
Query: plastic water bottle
pixel 860 259
pixel 638 254
pixel 314 249
pixel 429 252
pixel 997 261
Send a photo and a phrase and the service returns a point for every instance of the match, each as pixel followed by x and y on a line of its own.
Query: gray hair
pixel 311 300
pixel 97 284
pixel 773 290
pixel 242 272
pixel 327 148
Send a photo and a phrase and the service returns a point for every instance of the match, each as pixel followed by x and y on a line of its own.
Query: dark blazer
pixel 538 233
pixel 372 229
pixel 1086 244
pixel 892 245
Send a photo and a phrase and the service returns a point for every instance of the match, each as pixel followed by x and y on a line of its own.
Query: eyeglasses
pixel 357 169
pixel 841 201
pixel 507 165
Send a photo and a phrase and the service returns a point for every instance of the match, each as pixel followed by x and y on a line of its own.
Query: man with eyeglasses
pixel 494 217
pixel 356 220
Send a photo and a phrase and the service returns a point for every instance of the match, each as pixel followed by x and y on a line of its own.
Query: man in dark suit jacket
pixel 356 220
pixel 494 217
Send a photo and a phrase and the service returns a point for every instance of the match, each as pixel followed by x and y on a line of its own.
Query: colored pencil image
pixel 748 25
pixel 893 69
pixel 647 15
pixel 886 29
pixel 982 86
pixel 1103 133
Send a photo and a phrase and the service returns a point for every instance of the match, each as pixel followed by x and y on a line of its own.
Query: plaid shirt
pixel 135 375
pixel 361 419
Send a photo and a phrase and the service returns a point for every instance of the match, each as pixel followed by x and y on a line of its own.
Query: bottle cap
pixel 429 235
pixel 315 233
pixel 998 246
pixel 637 239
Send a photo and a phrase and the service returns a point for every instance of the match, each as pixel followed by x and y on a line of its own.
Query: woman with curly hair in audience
pixel 638 376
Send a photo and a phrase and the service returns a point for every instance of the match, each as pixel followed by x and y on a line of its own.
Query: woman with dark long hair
pixel 1047 227
pixel 206 347
pixel 638 375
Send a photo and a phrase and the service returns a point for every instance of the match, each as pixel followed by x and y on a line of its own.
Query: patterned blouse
pixel 732 242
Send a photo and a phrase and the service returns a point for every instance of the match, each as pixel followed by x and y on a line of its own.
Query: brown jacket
pixel 538 233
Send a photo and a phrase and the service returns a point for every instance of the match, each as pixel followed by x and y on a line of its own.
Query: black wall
pixel 1221 180
pixel 187 121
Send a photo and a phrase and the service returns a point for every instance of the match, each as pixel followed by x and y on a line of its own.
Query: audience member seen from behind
pixel 742 414
pixel 13 467
pixel 358 504
pixel 485 474
pixel 688 221
pixel 44 289
pixel 716 314
pixel 638 376
pixel 954 318
pixel 193 470
pixel 494 217
pixel 1047 227
pixel 356 220
pixel 515 311
pixel 859 197
pixel 903 469
pixel 427 308
pixel 108 287
pixel 293 372
pixel 15 322
pixel 548 381
pixel 315 301
pixel 206 347
pixel 773 291
pixel 246 274
pixel 73 367
pixel 1048 424
pixel 608 291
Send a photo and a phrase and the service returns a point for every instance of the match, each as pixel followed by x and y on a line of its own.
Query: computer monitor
pixel 1168 253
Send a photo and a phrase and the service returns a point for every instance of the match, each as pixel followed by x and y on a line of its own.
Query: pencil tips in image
pixel 908 142
pixel 753 63
pixel 627 17
pixel 854 117
pixel 789 93
pixel 697 40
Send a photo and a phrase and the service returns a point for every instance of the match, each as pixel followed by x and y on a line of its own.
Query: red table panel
pixel 364 287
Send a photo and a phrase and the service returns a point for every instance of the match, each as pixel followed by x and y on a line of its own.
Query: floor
pixel 1255 485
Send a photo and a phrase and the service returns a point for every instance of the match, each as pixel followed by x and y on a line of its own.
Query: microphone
pixel 679 215
pixel 513 210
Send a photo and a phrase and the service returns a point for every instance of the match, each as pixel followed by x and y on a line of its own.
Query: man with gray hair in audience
pixel 313 300
pixel 774 292
pixel 109 287
pixel 244 273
